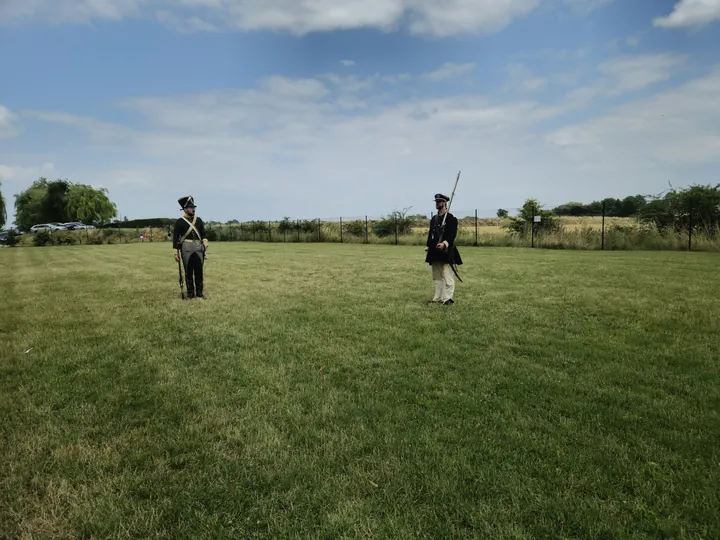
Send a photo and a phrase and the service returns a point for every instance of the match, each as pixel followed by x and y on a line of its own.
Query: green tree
pixel 61 201
pixel 571 208
pixel 631 205
pixel 53 206
pixel 89 205
pixel 3 210
pixel 523 224
pixel 502 213
pixel 29 204
pixel 696 206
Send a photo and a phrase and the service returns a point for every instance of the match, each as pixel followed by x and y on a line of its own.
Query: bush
pixel 286 225
pixel 355 228
pixel 42 238
pixel 383 228
pixel 309 226
pixel 12 238
pixel 386 226
pixel 211 233
pixel 65 239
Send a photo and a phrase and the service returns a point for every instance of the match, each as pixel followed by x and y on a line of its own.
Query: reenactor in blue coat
pixel 441 254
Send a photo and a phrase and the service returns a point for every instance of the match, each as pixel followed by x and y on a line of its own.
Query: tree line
pixel 60 201
pixel 694 208
pixel 630 206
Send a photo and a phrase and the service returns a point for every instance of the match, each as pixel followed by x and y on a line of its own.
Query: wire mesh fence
pixel 512 227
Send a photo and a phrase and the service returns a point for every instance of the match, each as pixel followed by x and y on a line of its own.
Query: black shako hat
pixel 187 202
pixel 441 197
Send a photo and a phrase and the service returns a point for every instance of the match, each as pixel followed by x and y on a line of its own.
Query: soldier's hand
pixel 177 257
pixel 440 246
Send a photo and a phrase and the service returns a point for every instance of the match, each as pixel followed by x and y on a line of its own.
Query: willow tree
pixel 87 204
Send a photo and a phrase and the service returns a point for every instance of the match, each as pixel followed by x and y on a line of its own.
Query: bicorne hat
pixel 187 202
pixel 441 197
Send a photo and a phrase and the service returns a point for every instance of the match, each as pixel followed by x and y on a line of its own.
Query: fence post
pixel 476 228
pixel 341 237
pixel 297 221
pixel 366 229
pixel 396 231
pixel 690 224
pixel 532 227
pixel 319 230
pixel 602 246
pixel 269 233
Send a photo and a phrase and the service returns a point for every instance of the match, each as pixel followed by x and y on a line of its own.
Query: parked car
pixel 48 227
pixel 75 225
pixel 4 235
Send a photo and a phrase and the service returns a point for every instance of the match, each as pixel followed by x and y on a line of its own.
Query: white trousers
pixel 442 275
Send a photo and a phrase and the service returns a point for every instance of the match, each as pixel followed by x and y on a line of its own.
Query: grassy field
pixel 315 394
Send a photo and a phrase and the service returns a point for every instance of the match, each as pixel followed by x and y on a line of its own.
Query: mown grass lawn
pixel 315 394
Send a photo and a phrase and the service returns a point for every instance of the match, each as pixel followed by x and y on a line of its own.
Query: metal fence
pixel 536 228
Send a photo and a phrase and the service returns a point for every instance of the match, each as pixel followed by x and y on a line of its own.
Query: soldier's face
pixel 190 210
pixel 439 205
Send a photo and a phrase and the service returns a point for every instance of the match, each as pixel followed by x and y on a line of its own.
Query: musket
pixel 182 290
pixel 451 247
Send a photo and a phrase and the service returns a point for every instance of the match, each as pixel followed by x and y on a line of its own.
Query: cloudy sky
pixel 325 108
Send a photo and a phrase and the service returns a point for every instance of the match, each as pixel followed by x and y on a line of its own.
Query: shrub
pixel 211 233
pixel 11 238
pixel 286 225
pixel 65 239
pixel 42 238
pixel 309 226
pixel 355 228
pixel 386 226
pixel 383 228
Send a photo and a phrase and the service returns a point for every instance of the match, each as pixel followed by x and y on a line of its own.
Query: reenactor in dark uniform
pixel 190 243
pixel 441 254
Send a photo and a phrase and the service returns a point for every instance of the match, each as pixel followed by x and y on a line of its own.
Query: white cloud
pixel 347 63
pixel 15 172
pixel 677 126
pixel 449 70
pixel 586 6
pixel 633 41
pixel 625 74
pixel 630 73
pixel 100 130
pixel 293 147
pixel 428 17
pixel 184 25
pixel 8 123
pixel 68 11
pixel 688 13
pixel 522 78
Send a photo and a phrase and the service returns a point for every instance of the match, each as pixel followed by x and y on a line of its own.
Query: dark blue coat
pixel 451 230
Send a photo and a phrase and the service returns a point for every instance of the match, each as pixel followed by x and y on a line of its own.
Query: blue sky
pixel 320 108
